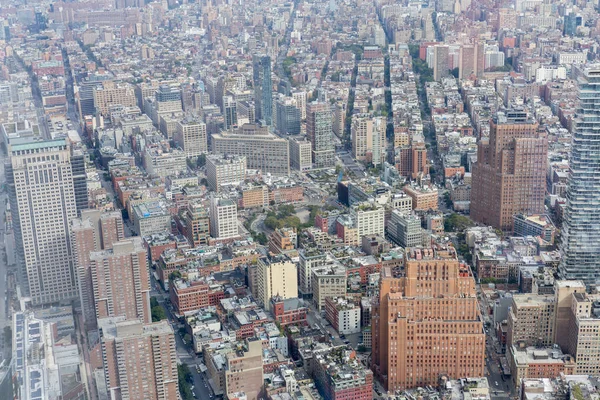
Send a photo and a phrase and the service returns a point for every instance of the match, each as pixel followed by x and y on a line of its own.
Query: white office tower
pixel 42 200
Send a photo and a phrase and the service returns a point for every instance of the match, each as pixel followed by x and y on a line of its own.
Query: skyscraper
pixel 42 199
pixel 581 227
pixel 140 360
pixel 223 218
pixel 263 88
pixel 426 321
pixel 320 133
pixel 287 116
pixel 229 112
pixel 94 231
pixel 121 281
pixel 510 174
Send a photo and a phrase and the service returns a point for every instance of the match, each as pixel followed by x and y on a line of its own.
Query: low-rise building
pixel 151 217
pixel 339 375
pixel 343 315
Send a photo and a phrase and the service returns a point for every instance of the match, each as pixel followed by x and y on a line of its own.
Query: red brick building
pixel 288 311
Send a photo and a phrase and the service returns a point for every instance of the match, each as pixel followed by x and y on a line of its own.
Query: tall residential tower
pixel 581 227
pixel 263 88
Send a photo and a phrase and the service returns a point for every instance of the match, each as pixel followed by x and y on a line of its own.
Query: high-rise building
pixel 320 134
pixel 288 116
pixel 426 321
pixel 411 159
pixel 43 204
pixel 471 60
pixel 339 119
pixel 263 88
pixel 93 231
pixel 168 99
pixel 309 258
pixel 191 137
pixel 531 320
pixel 140 360
pixel 510 174
pixel 440 62
pixel 196 222
pixel 404 229
pixel 362 136
pixel 223 218
pixel 225 171
pixel 368 138
pixel 572 21
pixel 276 276
pixel 369 219
pixel 300 98
pixel 300 154
pixel 121 281
pixel 230 112
pixel 581 221
pixel 244 372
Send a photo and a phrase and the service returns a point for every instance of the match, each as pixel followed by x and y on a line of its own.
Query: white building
pixel 191 137
pixel 369 219
pixel 223 218
pixel 548 73
pixel 343 315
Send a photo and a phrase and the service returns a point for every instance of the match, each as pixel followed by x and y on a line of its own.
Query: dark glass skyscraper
pixel 263 88
pixel 580 247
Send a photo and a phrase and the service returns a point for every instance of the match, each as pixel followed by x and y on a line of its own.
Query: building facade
pixel 121 281
pixel 42 200
pixel 510 174
pixel 320 133
pixel 426 321
pixel 140 360
pixel 580 247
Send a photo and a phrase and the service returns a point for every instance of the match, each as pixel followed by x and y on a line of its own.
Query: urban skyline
pixel 303 200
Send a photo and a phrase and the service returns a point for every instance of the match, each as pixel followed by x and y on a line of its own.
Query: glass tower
pixel 263 88
pixel 580 247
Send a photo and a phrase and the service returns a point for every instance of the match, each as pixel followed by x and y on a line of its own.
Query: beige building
pixel 328 280
pixel 583 333
pixel 538 362
pixel 301 100
pixel 263 150
pixel 43 203
pixel 423 198
pixel 300 154
pixel 110 93
pixel 223 219
pixel 245 371
pixel 563 293
pixel 362 136
pixel 225 170
pixel 191 137
pixel 531 320
pixel 368 138
pixel 276 276
pixel 369 219
pixel 140 360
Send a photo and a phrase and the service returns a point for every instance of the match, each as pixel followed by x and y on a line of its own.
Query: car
pixel 496 383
